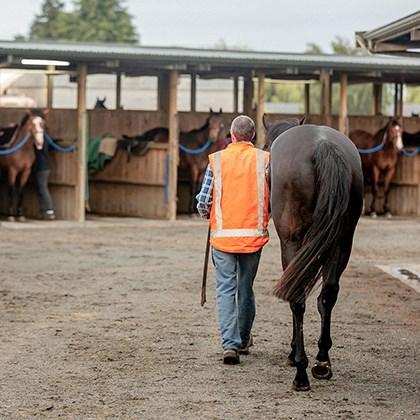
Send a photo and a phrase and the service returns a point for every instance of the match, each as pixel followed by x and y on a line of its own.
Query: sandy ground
pixel 103 322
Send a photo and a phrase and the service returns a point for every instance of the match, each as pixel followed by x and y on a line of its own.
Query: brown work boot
pixel 231 357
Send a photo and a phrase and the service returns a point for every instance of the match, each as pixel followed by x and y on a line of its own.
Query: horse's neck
pixel 198 136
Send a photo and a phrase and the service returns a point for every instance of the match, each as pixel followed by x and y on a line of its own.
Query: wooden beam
pixel 342 119
pixel 325 106
pixel 236 94
pixel 396 99
pixel 163 97
pixel 193 93
pixel 118 92
pixel 307 99
pixel 248 95
pixel 260 112
pixel 173 145
pixel 50 86
pixel 377 99
pixel 80 196
pixel 400 100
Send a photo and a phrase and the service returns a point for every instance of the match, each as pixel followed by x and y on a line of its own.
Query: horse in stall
pixel 195 147
pixel 29 133
pixel 100 103
pixel 382 162
pixel 316 184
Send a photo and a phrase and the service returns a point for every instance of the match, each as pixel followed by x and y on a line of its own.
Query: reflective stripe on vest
pixel 244 232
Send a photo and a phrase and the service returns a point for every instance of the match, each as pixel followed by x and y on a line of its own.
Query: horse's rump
pixel 332 170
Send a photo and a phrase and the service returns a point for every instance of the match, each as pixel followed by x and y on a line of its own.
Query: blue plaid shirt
pixel 205 196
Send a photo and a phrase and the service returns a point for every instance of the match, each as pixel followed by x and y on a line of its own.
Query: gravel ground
pixel 103 321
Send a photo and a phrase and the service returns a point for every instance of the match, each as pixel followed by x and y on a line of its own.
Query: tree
pixel 90 20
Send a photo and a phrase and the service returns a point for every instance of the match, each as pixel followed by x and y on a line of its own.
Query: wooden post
pixel 50 86
pixel 396 96
pixel 236 94
pixel 248 95
pixel 325 80
pixel 118 92
pixel 377 99
pixel 307 100
pixel 193 93
pixel 260 112
pixel 79 210
pixel 342 119
pixel 173 145
pixel 400 100
pixel 163 97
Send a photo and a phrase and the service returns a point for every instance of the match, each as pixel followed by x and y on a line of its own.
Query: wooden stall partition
pixel 119 122
pixel 132 186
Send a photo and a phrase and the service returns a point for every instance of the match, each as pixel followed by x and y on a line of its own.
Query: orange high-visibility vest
pixel 239 212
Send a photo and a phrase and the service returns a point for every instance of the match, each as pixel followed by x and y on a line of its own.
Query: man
pixel 234 196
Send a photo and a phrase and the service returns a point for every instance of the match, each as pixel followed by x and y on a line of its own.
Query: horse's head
pixel 274 129
pixel 216 126
pixel 100 103
pixel 34 123
pixel 393 133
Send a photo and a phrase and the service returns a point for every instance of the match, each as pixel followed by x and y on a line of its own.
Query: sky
pixel 264 25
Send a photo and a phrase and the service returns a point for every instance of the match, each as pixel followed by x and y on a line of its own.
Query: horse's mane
pixel 278 128
pixel 198 130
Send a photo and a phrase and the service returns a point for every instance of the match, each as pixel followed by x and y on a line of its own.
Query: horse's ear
pixel 264 122
pixel 302 120
pixel 211 110
pixel 220 110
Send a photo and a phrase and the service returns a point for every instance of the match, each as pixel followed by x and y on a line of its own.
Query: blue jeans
pixel 235 274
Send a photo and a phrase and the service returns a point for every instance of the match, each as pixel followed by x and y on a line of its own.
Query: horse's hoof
pixel 373 215
pixel 322 370
pixel 22 219
pixel 388 215
pixel 11 219
pixel 298 386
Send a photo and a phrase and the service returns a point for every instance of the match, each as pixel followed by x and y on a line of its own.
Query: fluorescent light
pixel 32 62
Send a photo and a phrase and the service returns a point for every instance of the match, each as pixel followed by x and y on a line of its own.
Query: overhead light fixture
pixel 36 62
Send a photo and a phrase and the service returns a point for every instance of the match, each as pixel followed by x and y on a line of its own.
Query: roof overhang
pixel 399 37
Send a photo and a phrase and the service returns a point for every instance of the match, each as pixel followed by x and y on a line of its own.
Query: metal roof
pixel 133 59
pixel 395 37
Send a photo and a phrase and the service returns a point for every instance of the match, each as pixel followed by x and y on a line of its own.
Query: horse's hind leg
pixel 301 381
pixel 22 182
pixel 375 182
pixel 326 301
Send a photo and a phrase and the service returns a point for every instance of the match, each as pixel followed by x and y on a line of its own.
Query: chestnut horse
pixel 29 133
pixel 382 162
pixel 316 200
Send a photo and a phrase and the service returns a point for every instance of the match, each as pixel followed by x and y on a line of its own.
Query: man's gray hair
pixel 243 128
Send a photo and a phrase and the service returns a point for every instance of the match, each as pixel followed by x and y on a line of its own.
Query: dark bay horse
pixel 18 164
pixel 316 201
pixel 381 163
pixel 205 140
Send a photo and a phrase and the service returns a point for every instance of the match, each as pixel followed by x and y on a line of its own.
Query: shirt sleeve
pixel 205 196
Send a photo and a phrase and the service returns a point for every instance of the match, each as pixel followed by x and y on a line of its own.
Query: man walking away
pixel 234 196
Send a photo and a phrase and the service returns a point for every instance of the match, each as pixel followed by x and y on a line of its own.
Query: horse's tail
pixel 333 179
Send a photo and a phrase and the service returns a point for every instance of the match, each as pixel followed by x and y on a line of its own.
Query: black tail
pixel 333 182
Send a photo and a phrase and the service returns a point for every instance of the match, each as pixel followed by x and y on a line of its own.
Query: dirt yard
pixel 104 322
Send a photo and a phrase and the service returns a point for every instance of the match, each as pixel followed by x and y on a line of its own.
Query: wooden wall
pixel 136 188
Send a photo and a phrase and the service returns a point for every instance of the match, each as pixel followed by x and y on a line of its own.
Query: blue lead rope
pixel 14 149
pixel 55 146
pixel 195 151
pixel 372 149
pixel 408 153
